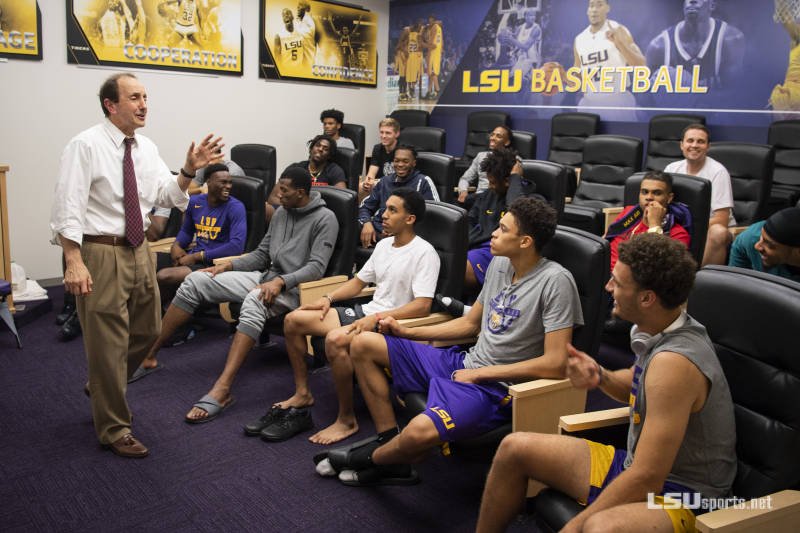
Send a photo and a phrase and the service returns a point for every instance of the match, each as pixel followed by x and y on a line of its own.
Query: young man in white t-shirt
pixel 694 145
pixel 404 267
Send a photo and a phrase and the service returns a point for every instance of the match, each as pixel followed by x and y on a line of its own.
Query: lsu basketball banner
pixel 318 41
pixel 20 30
pixel 737 60
pixel 184 35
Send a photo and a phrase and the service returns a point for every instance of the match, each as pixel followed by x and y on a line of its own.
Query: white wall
pixel 45 103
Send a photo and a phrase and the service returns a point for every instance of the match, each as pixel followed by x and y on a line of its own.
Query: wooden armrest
pixel 578 175
pixel 611 213
pixel 736 230
pixel 367 292
pixel 594 419
pixel 469 189
pixel 225 313
pixel 314 290
pixel 539 404
pixel 433 318
pixel 161 245
pixel 227 259
pixel 783 515
pixel 568 199
pixel 197 189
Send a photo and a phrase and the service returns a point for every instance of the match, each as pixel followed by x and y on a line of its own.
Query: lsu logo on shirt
pixel 501 313
pixel 447 420
pixel 207 228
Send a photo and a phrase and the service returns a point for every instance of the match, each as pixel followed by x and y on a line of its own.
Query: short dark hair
pixel 696 126
pixel 660 264
pixel 335 114
pixel 211 169
pixel 407 147
pixel 110 89
pixel 299 177
pixel 323 137
pixel 658 175
pixel 499 163
pixel 536 218
pixel 413 202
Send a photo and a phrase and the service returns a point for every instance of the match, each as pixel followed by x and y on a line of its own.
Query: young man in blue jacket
pixel 370 212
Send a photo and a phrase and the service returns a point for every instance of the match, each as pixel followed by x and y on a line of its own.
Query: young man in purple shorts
pixel 681 436
pixel 524 314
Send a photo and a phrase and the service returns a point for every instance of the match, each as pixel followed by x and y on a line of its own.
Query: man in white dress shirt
pixel 109 179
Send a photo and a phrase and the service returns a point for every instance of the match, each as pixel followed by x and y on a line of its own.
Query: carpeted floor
pixel 208 477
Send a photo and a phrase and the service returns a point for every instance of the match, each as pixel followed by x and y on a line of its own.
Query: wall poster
pixel 318 41
pixel 183 35
pixel 736 60
pixel 20 29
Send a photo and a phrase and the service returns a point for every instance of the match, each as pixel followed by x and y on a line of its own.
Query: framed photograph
pixel 318 41
pixel 184 35
pixel 20 30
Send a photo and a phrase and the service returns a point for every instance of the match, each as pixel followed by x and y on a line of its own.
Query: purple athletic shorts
pixel 480 258
pixel 458 410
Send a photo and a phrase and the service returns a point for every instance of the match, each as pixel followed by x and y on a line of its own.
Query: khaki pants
pixel 120 320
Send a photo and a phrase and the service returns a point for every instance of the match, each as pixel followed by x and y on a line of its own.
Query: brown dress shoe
pixel 128 446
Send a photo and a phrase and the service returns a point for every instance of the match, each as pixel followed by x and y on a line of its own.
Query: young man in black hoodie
pixel 296 248
pixel 489 206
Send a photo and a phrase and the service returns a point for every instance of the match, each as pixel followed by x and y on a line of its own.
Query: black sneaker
pixel 294 421
pixel 255 427
pixel 451 305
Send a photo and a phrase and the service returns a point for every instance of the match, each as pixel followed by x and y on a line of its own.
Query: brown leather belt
pixel 107 239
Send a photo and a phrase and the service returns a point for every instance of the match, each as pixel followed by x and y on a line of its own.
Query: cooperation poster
pixel 184 35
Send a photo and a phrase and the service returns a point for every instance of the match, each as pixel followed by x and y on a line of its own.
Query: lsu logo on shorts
pixel 447 420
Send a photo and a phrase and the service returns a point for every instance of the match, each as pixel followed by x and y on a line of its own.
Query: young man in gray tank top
pixel 681 437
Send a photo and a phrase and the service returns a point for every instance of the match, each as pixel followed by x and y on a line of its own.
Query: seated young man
pixel 321 167
pixel 401 292
pixel 370 213
pixel 159 215
pixel 475 175
pixel 771 246
pixel 214 225
pixel 332 121
pixel 489 206
pixel 296 248
pixel 523 317
pixel 655 213
pixel 382 162
pixel 681 435
pixel 694 146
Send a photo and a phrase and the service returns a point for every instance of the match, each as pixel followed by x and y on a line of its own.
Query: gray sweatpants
pixel 239 287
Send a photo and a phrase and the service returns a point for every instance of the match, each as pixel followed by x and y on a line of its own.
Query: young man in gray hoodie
pixel 296 248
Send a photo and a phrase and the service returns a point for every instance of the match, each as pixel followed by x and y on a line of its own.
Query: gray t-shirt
pixel 706 460
pixel 517 315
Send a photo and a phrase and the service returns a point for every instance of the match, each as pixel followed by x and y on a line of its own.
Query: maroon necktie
pixel 134 228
